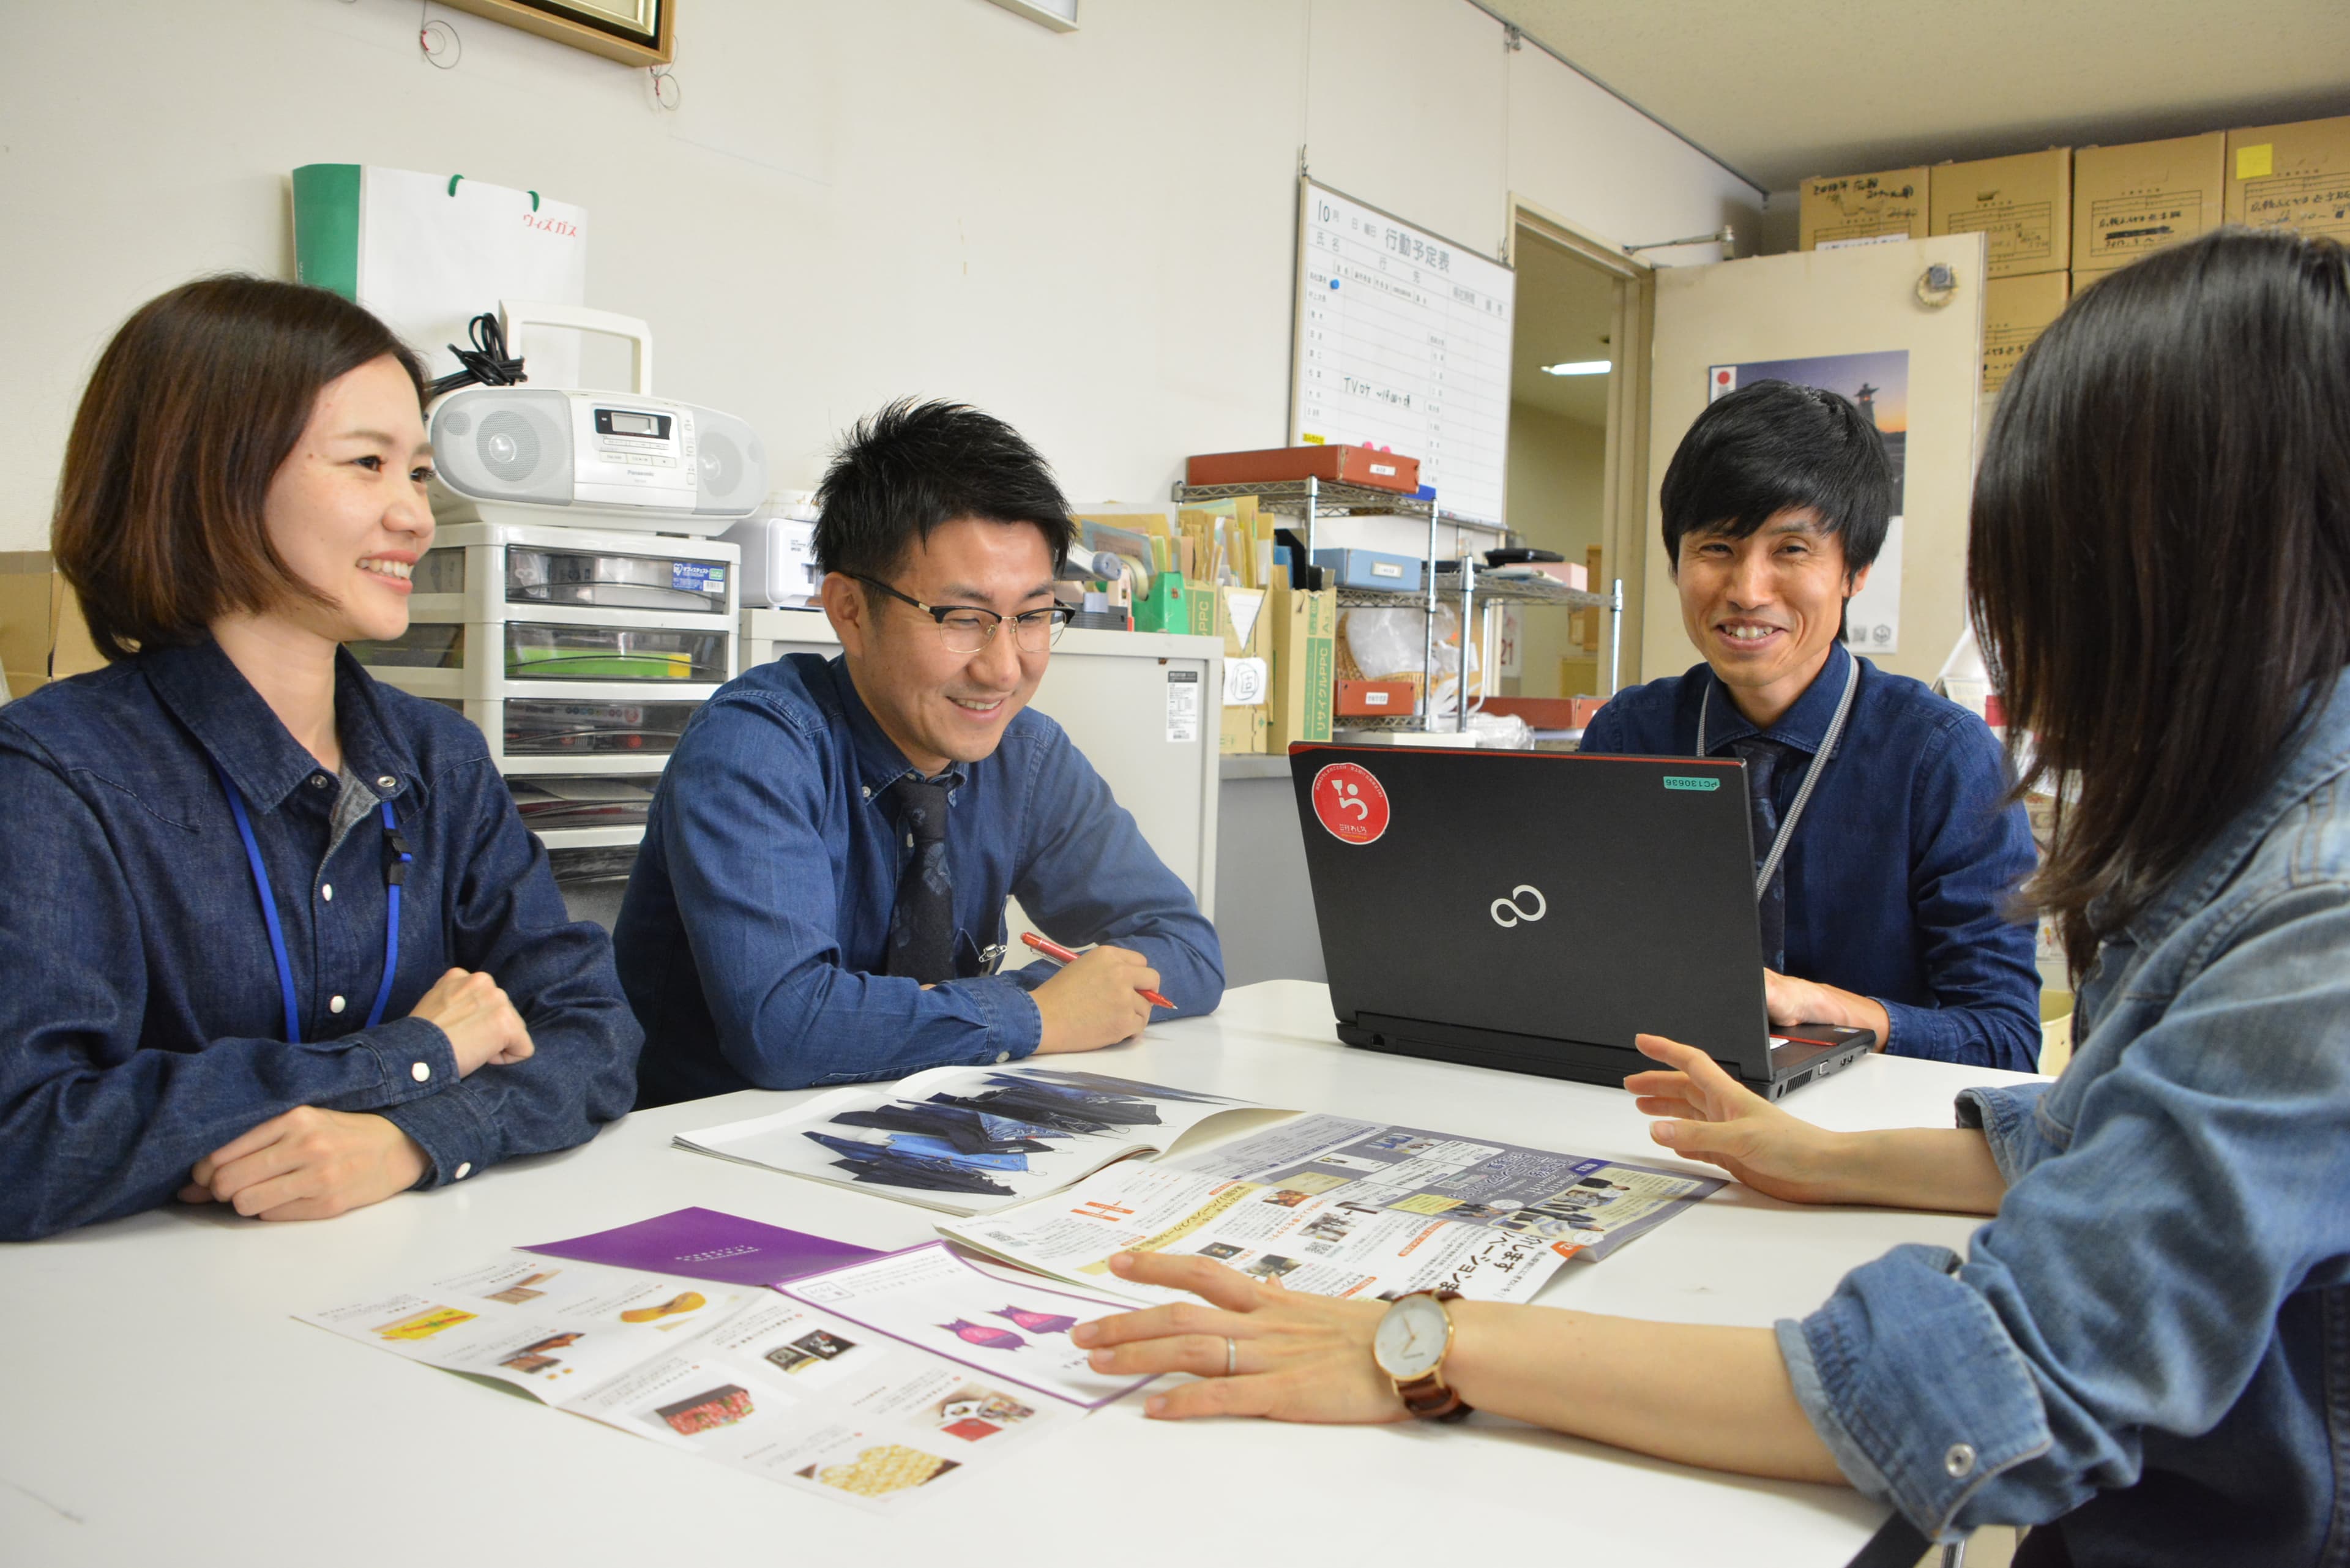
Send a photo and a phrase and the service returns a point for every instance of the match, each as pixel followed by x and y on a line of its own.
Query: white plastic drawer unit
pixel 590 580
pixel 532 650
pixel 552 801
pixel 544 727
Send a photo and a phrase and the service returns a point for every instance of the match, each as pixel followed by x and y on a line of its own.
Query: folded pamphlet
pixel 969 1140
pixel 874 1381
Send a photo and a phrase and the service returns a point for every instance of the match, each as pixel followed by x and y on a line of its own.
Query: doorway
pixel 1577 420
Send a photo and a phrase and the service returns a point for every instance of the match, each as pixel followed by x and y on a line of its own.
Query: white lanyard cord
pixel 1811 775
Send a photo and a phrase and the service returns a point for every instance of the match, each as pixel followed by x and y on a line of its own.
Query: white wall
pixel 1091 234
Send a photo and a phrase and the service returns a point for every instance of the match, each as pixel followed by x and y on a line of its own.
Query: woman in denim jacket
pixel 274 935
pixel 2149 1344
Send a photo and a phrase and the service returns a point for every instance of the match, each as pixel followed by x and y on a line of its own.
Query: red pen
pixel 1053 949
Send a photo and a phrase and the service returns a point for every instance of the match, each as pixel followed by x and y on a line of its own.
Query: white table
pixel 162 1407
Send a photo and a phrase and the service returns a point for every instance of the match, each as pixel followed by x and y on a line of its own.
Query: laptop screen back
pixel 1555 896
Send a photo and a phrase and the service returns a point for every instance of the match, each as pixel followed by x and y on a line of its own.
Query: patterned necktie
pixel 922 925
pixel 1763 757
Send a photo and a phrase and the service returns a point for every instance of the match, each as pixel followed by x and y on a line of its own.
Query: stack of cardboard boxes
pixel 2056 221
pixel 42 635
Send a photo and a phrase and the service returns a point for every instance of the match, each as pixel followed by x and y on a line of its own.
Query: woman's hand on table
pixel 1293 1357
pixel 309 1164
pixel 1715 1118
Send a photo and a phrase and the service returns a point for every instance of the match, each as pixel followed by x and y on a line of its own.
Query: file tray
pixel 548 652
pixel 597 581
pixel 422 646
pixel 543 727
pixel 553 801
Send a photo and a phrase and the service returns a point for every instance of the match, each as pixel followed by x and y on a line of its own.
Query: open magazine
pixel 1341 1208
pixel 969 1140
pixel 872 1381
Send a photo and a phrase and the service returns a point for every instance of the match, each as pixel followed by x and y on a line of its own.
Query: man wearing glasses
pixel 819 898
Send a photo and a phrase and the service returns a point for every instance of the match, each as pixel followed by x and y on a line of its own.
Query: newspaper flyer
pixel 1342 1208
pixel 1582 1207
pixel 921 1386
pixel 1319 1244
pixel 969 1140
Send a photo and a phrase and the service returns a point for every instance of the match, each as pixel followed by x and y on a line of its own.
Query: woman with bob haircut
pixel 2145 1351
pixel 274 935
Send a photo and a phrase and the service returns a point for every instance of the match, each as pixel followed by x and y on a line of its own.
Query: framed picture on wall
pixel 634 32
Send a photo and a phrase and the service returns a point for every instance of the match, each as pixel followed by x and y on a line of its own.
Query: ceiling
pixel 1782 90
pixel 1565 308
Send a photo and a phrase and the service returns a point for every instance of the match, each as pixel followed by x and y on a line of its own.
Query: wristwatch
pixel 1409 1347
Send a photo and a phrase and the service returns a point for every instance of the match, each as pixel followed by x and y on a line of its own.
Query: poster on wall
pixel 1879 385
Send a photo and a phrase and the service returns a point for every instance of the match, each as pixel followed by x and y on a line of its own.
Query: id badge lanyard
pixel 1786 834
pixel 395 872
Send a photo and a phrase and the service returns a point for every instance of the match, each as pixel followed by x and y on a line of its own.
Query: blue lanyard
pixel 395 873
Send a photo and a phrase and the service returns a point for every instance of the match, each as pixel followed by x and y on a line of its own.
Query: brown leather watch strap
pixel 1428 1396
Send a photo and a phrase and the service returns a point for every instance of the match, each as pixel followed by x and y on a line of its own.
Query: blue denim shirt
pixel 1899 875
pixel 757 920
pixel 2163 1301
pixel 142 1025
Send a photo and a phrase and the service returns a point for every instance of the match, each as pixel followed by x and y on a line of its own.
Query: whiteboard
pixel 1403 342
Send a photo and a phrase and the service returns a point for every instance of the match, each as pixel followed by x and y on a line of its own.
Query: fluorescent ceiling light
pixel 1061 16
pixel 1579 367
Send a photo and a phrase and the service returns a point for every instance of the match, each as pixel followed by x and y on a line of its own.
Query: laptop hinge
pixel 1582 1061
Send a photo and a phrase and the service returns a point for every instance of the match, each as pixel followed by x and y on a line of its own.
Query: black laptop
pixel 1534 910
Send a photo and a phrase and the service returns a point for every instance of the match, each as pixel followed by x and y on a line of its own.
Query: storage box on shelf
pixel 1471 590
pixel 580 655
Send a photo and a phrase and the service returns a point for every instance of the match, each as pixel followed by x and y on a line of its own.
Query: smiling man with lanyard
pixel 1885 851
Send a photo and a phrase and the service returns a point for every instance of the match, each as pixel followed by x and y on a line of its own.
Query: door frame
pixel 1624 483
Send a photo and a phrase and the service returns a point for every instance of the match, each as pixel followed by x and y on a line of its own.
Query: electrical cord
pixel 486 361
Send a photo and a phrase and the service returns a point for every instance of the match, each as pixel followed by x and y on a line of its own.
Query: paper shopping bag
pixel 428 253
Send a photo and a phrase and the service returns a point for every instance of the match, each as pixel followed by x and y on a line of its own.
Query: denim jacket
pixel 757 920
pixel 2163 1303
pixel 142 1022
pixel 1899 876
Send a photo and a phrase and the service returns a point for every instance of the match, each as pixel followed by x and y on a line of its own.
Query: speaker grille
pixel 733 466
pixel 722 466
pixel 505 444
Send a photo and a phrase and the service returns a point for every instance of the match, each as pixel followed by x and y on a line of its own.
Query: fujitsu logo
pixel 548 224
pixel 1508 912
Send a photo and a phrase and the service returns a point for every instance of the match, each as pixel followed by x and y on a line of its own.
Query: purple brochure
pixel 704 1244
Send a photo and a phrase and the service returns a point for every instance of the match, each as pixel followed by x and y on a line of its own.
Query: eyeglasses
pixel 966 630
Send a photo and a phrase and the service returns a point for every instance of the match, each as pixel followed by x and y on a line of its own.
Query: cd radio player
pixel 631 460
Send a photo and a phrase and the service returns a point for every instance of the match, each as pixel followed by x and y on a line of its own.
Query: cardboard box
pixel 2292 177
pixel 2023 205
pixel 1858 209
pixel 1243 732
pixel 42 635
pixel 1301 633
pixel 2127 200
pixel 2016 311
pixel 1367 699
pixel 1330 463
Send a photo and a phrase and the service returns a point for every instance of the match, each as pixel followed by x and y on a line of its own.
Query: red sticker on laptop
pixel 1350 803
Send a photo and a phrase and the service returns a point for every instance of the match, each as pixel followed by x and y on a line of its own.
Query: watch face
pixel 1411 1338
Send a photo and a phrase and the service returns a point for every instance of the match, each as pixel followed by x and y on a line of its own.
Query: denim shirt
pixel 757 920
pixel 1897 876
pixel 2163 1301
pixel 142 1022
